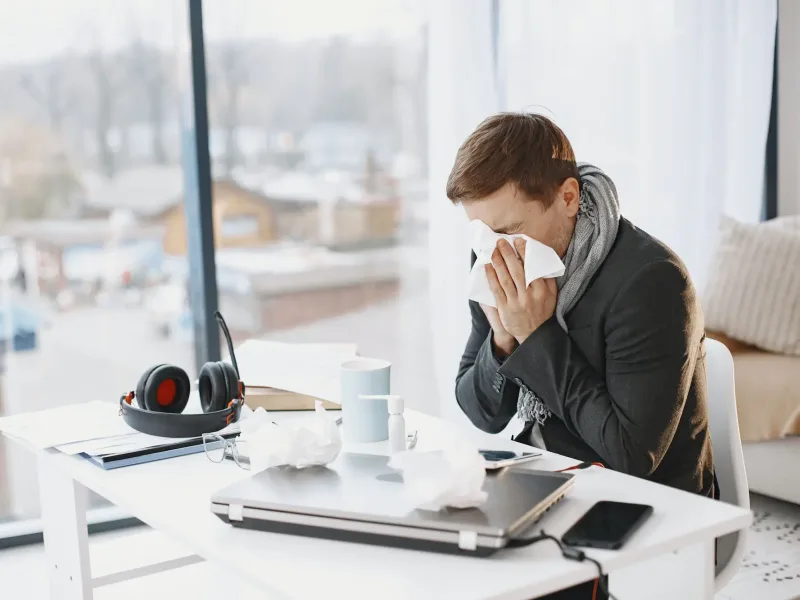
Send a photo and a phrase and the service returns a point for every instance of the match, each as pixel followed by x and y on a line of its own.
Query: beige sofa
pixel 768 405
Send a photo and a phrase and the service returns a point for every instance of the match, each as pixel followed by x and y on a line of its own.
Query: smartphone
pixel 499 459
pixel 607 525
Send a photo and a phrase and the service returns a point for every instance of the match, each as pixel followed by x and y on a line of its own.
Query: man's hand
pixel 522 309
pixel 504 343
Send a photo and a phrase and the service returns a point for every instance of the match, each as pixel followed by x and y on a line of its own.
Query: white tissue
pixel 446 478
pixel 541 261
pixel 254 421
pixel 315 443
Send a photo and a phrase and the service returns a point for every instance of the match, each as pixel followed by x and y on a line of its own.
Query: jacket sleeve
pixel 485 396
pixel 629 414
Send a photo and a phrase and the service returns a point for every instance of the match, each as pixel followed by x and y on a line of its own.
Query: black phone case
pixel 571 540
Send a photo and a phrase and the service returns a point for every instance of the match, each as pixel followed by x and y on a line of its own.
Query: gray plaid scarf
pixel 595 231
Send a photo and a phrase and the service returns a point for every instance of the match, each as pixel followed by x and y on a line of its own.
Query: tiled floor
pixel 770 571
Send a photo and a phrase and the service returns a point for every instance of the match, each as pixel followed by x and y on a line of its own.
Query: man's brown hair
pixel 525 149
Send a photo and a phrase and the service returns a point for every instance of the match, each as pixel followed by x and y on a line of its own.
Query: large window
pixel 317 135
pixel 90 188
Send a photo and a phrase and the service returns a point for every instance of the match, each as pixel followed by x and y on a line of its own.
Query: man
pixel 605 363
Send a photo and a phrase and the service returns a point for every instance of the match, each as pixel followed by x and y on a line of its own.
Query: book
pixel 275 399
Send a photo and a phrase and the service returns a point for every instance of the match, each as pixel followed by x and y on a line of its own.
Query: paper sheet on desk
pixel 540 261
pixel 133 440
pixel 121 443
pixel 66 424
pixel 311 369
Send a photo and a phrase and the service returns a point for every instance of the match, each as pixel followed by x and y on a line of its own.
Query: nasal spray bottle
pixel 397 424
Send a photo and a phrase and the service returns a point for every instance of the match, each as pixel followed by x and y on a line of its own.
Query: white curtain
pixel 670 98
pixel 461 93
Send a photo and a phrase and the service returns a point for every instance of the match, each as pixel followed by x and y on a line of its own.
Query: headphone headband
pixel 177 425
pixel 224 326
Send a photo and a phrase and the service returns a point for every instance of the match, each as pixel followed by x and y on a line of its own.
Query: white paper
pixel 446 478
pixel 66 424
pixel 126 439
pixel 311 369
pixel 315 443
pixel 90 446
pixel 128 443
pixel 541 261
pixel 131 442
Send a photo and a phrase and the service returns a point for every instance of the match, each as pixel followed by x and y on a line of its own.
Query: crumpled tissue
pixel 541 261
pixel 311 444
pixel 446 478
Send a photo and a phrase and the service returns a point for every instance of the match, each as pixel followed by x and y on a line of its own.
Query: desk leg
pixel 66 537
pixel 687 574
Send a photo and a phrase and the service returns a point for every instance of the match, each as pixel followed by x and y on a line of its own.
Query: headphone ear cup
pixel 213 388
pixel 232 379
pixel 141 385
pixel 166 389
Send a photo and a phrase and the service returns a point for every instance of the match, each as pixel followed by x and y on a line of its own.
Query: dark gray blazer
pixel 626 385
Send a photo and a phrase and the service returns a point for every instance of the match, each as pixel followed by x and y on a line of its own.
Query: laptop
pixel 359 498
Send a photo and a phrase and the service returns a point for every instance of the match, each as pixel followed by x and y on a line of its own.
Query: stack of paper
pixel 97 431
pixel 123 444
pixel 106 445
pixel 311 370
pixel 66 424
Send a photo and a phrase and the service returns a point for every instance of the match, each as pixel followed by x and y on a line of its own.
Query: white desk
pixel 670 557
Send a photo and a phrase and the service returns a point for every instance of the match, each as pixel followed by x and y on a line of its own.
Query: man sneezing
pixel 605 363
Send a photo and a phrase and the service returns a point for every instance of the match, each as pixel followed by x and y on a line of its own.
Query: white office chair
pixel 728 458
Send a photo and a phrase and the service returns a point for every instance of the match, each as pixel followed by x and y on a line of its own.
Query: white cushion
pixel 753 292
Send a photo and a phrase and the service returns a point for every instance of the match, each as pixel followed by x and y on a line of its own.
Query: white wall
pixel 672 101
pixel 788 111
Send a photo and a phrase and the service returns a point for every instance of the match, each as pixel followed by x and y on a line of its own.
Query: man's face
pixel 509 211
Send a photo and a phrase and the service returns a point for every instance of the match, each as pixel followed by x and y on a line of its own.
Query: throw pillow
pixel 753 292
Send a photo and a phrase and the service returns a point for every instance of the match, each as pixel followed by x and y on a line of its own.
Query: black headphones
pixel 163 391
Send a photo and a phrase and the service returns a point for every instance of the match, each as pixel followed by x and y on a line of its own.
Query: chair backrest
pixel 726 445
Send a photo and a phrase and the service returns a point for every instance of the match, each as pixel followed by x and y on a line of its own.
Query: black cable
pixel 567 552
pixel 600 583
pixel 523 542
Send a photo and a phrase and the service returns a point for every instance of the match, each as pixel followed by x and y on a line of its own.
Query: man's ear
pixel 570 193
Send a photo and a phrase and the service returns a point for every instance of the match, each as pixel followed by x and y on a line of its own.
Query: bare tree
pixel 50 91
pixel 341 82
pixel 148 67
pixel 49 88
pixel 231 74
pixel 106 77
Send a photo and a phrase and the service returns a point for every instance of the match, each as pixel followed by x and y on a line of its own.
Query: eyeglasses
pixel 218 448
